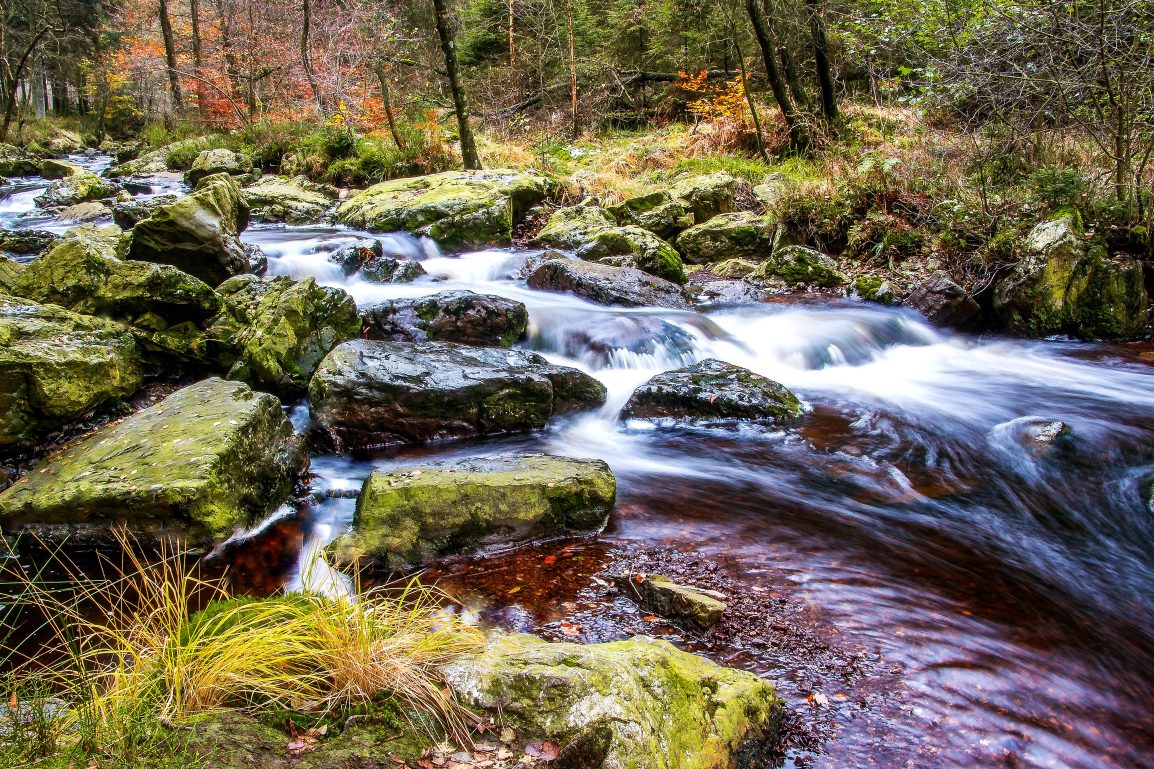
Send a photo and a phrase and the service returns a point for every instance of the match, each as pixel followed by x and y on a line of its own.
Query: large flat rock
pixel 209 458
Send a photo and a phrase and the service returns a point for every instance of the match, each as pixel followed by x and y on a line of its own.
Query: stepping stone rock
pixel 713 390
pixel 700 609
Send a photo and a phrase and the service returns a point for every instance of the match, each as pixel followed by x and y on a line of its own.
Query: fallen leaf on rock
pixel 543 751
pixel 817 698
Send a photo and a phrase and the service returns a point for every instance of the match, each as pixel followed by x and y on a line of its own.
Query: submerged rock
pixel 603 284
pixel 799 267
pixel 1060 286
pixel 713 390
pixel 944 302
pixel 740 235
pixel 368 393
pixel 463 317
pixel 198 234
pixel 699 609
pixel 55 365
pixel 283 328
pixel 293 201
pixel 636 704
pixel 218 161
pixel 81 272
pixel 691 201
pixel 79 187
pixel 604 336
pixel 209 458
pixel 415 515
pixel 366 258
pixel 593 234
pixel 458 209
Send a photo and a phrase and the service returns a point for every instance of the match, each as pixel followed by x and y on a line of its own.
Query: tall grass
pixel 133 656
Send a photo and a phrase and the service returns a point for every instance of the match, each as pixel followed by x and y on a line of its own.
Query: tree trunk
pixel 10 106
pixel 386 104
pixel 821 58
pixel 469 156
pixel 306 62
pixel 170 53
pixel 512 42
pixel 798 138
pixel 572 70
pixel 197 54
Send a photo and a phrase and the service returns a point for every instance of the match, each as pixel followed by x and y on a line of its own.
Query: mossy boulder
pixel 800 267
pixel 65 142
pixel 458 209
pixel 218 161
pixel 692 200
pixel 635 704
pixel 740 235
pixel 593 234
pixel 199 233
pixel 9 273
pixel 608 285
pixel 157 161
pixel 128 213
pixel 58 169
pixel 17 162
pixel 25 242
pixel 81 272
pixel 55 365
pixel 76 188
pixel 414 515
pixel 86 213
pixel 369 393
pixel 733 269
pixel 1062 286
pixel 713 390
pixel 463 317
pixel 293 201
pixel 206 460
pixel 280 329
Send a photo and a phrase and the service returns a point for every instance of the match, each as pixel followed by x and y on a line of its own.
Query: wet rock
pixel 207 459
pixel 593 234
pixel 92 211
pixel 640 703
pixel 415 515
pixel 293 201
pixel 798 267
pixel 128 213
pixel 458 209
pixel 58 169
pixel 198 233
pixel 944 302
pixel 17 162
pixel 603 284
pixel 873 288
pixel 79 187
pixel 1060 286
pixel 218 161
pixel 55 365
pixel 369 393
pixel 366 258
pixel 81 272
pixel 740 235
pixel 157 161
pixel 691 201
pixel 699 609
pixel 713 390
pixel 257 259
pixel 25 242
pixel 463 317
pixel 282 328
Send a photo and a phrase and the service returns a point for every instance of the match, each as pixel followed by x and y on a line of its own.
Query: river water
pixel 1002 588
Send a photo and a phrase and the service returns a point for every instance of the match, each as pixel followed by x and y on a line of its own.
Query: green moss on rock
pixel 713 390
pixel 293 201
pixel 636 704
pixel 55 365
pixel 207 459
pixel 218 161
pixel 78 187
pixel 411 516
pixel 458 209
pixel 798 267
pixel 740 235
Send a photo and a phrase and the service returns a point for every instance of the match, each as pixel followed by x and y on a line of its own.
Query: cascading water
pixel 1006 582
